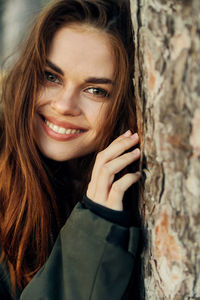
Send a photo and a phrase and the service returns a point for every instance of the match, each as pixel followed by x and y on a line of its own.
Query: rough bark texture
pixel 167 85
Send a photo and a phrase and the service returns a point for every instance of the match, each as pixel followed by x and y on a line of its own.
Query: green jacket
pixel 92 259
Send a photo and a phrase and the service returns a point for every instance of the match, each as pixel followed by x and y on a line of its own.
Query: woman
pixel 68 97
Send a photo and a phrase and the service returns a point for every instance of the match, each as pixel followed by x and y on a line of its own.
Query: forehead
pixel 83 48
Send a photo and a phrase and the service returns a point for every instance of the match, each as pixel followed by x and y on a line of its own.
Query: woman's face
pixel 73 101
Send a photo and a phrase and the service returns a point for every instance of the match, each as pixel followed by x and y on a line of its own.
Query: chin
pixel 58 156
pixel 63 156
pixel 59 153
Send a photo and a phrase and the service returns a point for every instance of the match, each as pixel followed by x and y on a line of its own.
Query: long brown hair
pixel 26 195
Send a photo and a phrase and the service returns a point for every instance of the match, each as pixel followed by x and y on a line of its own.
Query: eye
pixel 99 92
pixel 51 77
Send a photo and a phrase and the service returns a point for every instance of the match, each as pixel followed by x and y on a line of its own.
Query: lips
pixel 60 130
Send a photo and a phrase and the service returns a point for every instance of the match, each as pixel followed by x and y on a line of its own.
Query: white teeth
pixel 68 131
pixel 55 128
pixel 62 130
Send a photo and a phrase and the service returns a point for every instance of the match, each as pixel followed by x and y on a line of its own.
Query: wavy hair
pixel 26 195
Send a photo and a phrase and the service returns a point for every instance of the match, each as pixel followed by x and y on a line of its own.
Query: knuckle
pixel 106 169
pixel 125 143
pixel 128 156
pixel 129 178
pixel 128 142
pixel 100 155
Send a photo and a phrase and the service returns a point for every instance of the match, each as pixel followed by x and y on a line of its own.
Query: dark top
pixel 93 256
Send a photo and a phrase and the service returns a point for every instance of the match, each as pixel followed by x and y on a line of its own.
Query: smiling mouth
pixel 62 130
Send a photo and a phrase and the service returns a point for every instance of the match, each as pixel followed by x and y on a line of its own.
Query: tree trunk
pixel 167 87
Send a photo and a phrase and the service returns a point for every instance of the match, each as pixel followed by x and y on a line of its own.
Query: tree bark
pixel 167 88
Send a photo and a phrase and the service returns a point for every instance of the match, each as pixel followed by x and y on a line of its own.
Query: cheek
pixel 98 114
pixel 45 94
pixel 40 97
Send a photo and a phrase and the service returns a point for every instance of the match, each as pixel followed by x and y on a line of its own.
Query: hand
pixel 109 162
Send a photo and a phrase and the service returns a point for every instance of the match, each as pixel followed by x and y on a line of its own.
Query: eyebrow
pixel 98 80
pixel 95 80
pixel 54 67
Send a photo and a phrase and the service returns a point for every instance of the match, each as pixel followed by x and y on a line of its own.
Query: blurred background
pixel 16 17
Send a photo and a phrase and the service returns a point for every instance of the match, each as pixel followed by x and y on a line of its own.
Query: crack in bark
pixel 162 183
pixel 195 278
pixel 138 13
pixel 139 23
pixel 159 279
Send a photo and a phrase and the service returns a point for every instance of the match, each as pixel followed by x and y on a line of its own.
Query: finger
pixel 118 189
pixel 101 181
pixel 119 163
pixel 117 147
pixel 108 170
pixel 102 156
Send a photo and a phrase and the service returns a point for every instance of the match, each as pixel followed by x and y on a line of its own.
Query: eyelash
pixel 97 91
pixel 47 73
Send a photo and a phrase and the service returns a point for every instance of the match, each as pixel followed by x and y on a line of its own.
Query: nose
pixel 67 101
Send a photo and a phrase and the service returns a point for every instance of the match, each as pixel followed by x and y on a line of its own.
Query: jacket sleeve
pixel 92 259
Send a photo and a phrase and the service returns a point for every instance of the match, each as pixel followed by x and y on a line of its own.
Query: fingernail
pixel 136 151
pixel 134 136
pixel 127 133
